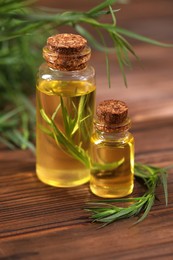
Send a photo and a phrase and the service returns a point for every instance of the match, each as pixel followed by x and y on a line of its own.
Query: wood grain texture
pixel 46 223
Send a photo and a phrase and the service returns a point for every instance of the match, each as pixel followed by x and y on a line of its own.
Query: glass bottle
pixel 112 151
pixel 65 108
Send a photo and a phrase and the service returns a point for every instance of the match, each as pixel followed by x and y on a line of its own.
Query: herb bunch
pixel 103 211
pixel 20 55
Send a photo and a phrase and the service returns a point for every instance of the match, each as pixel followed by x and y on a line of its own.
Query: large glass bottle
pixel 65 108
pixel 112 151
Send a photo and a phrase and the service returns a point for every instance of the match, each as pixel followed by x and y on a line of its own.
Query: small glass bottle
pixel 112 151
pixel 65 108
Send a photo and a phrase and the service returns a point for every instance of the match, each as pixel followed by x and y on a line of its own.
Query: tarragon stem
pixel 102 211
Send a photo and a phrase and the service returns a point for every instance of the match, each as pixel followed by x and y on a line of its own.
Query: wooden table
pixel 43 222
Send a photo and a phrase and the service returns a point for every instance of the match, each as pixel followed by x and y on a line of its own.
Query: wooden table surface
pixel 43 222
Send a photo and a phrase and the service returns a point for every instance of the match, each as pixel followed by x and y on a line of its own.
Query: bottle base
pixel 63 178
pixel 111 193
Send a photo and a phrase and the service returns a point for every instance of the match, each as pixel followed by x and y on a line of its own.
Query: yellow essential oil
pixel 65 108
pixel 115 182
pixel 112 152
pixel 54 165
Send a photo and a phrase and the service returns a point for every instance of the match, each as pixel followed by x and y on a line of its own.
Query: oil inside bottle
pixel 70 104
pixel 116 182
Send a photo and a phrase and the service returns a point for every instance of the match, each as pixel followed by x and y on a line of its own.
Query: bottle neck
pixel 112 131
pixel 112 136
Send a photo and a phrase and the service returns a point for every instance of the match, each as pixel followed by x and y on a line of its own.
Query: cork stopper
pixel 66 43
pixel 112 116
pixel 66 52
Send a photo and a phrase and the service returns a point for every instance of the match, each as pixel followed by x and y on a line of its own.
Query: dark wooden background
pixel 42 222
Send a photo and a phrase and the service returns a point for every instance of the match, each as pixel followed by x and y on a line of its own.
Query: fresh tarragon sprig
pixel 103 211
pixel 67 145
